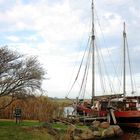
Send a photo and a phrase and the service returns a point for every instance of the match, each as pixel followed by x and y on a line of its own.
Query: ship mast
pixel 124 61
pixel 93 54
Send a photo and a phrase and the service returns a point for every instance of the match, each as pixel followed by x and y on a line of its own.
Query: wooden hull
pixel 127 114
pixel 129 125
pixel 128 118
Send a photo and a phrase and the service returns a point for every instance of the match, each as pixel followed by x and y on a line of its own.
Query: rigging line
pixel 119 67
pixel 107 48
pixel 99 67
pixel 85 82
pixel 130 68
pixel 79 69
pixel 87 41
pixel 109 80
pixel 85 71
pixel 86 77
pixel 121 70
pixel 85 91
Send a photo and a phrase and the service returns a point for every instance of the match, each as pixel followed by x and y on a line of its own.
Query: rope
pixel 105 70
pixel 101 76
pixel 78 70
pixel 85 71
pixel 130 68
pixel 108 50
pixel 86 77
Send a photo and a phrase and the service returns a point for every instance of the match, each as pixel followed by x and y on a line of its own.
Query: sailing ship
pixel 126 109
pixel 117 109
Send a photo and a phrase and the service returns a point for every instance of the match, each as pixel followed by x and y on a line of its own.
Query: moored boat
pixel 127 112
pixel 118 108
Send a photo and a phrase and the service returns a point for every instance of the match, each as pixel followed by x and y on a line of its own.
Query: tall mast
pixel 93 55
pixel 124 61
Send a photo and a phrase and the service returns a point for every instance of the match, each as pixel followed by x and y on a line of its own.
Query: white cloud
pixel 114 21
pixel 115 2
pixel 13 38
pixel 55 23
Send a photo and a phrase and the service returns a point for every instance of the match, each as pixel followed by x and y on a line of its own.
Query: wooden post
pixel 108 117
pixel 113 116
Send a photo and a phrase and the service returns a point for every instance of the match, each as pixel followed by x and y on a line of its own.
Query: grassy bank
pixel 26 130
pixel 33 130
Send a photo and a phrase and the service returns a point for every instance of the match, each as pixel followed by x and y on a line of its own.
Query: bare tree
pixel 19 76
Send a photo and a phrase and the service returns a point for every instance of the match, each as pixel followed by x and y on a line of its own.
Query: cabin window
pixel 104 105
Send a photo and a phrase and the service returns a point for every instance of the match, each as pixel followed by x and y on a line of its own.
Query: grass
pixel 26 130
pixel 66 102
pixel 64 126
pixel 30 130
pixel 4 122
pixel 60 125
pixel 19 133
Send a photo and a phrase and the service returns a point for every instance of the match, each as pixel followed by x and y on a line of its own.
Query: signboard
pixel 17 114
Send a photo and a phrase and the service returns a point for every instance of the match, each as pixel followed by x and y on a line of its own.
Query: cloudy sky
pixel 57 32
